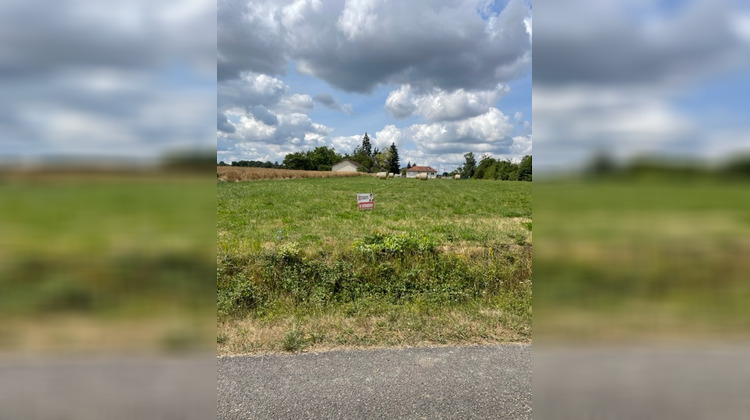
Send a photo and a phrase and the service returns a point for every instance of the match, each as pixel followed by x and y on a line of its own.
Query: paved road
pixel 486 382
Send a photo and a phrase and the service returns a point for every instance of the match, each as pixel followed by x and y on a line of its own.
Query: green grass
pixel 322 213
pixel 301 249
pixel 628 260
pixel 109 248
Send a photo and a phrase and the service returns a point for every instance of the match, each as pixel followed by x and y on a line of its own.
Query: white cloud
pixel 446 142
pixel 521 146
pixel 359 44
pixel 389 134
pixel 527 23
pixel 488 128
pixel 249 90
pixel 400 102
pixel 296 103
pixel 440 105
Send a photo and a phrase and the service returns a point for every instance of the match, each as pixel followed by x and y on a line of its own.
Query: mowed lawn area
pixel 436 262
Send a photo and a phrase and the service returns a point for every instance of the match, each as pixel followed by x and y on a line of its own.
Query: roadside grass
pixel 296 255
pixel 656 261
pixel 374 323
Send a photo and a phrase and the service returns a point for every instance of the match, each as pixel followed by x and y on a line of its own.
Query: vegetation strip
pixel 441 262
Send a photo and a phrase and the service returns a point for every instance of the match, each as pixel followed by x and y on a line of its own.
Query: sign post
pixel 365 201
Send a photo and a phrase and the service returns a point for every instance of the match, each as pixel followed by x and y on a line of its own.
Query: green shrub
pixel 395 244
pixel 294 340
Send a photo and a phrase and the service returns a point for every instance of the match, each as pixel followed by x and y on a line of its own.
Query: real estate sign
pixel 365 201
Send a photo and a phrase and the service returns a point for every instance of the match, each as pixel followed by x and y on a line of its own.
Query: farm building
pixel 346 165
pixel 415 170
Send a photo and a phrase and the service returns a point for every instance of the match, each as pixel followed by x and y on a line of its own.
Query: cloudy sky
pixel 122 79
pixel 438 78
pixel 630 78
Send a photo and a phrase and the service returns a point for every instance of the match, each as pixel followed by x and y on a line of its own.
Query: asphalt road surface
pixel 482 382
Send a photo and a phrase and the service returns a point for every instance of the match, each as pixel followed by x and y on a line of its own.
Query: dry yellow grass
pixel 234 173
pixel 334 331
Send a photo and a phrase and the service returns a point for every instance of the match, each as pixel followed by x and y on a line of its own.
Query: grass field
pixel 629 260
pixel 105 261
pixel 436 262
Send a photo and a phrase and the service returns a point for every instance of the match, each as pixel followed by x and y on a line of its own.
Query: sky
pixel 125 80
pixel 640 78
pixel 437 78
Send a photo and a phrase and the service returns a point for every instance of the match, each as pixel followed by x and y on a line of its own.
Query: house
pixel 346 165
pixel 414 170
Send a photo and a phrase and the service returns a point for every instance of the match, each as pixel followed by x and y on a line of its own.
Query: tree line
pixel 491 168
pixel 323 158
pixel 371 160
pixel 254 164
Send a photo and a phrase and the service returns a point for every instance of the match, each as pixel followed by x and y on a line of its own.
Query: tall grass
pixel 300 248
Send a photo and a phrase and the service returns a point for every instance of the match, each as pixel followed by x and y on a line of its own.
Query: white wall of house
pixel 414 174
pixel 344 166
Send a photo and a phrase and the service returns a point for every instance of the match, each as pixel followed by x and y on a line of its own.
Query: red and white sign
pixel 365 201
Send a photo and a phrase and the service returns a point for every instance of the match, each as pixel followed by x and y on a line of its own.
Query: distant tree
pixel 408 165
pixel 393 163
pixel 322 158
pixel 524 169
pixel 298 160
pixel 470 165
pixel 363 154
pixel 366 145
pixel 484 167
pixel 506 171
pixel 382 160
pixel 222 163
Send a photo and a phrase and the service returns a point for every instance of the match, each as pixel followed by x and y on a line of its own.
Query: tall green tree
pixel 323 158
pixel 366 145
pixel 363 154
pixel 506 171
pixel 298 160
pixel 393 164
pixel 382 160
pixel 470 166
pixel 484 166
pixel 524 169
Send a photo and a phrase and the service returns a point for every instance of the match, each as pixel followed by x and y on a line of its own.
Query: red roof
pixel 421 169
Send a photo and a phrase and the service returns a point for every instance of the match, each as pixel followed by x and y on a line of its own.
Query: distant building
pixel 414 170
pixel 346 165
